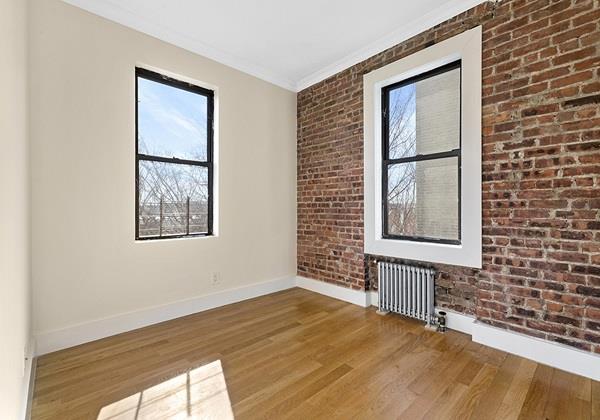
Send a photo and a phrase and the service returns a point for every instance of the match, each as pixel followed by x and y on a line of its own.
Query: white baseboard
pixel 28 379
pixel 373 297
pixel 49 341
pixel 357 297
pixel 30 369
pixel 542 351
pixel 457 321
pixel 546 352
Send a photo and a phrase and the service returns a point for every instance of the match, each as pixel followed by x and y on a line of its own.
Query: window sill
pixel 464 254
pixel 174 238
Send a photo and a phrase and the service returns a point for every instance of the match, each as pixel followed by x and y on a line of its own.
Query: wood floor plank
pixel 595 388
pixel 371 373
pixel 537 395
pixel 560 393
pixel 514 398
pixel 291 396
pixel 299 355
pixel 439 389
pixel 492 398
pixel 441 408
pixel 466 405
pixel 388 382
pixel 469 372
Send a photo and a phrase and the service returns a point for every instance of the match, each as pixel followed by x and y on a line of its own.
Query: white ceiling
pixel 293 44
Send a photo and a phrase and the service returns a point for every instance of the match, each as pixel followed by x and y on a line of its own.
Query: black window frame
pixel 386 162
pixel 208 163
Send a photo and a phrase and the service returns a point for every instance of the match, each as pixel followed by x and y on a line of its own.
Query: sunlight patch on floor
pixel 198 394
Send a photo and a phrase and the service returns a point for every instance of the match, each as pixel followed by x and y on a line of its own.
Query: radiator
pixel 406 290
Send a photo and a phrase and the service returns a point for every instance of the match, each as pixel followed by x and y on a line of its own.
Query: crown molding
pixel 427 21
pixel 116 13
pixel 110 10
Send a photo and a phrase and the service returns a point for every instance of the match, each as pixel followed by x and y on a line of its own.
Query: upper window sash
pixel 385 112
pixel 188 87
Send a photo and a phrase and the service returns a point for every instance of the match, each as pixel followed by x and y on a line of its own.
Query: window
pixel 422 154
pixel 421 157
pixel 174 158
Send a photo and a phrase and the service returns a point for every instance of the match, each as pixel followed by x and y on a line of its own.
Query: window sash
pixel 386 162
pixel 385 205
pixel 153 158
pixel 421 157
pixel 209 94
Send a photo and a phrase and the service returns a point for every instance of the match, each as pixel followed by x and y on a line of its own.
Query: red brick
pixel 574 56
pixel 541 166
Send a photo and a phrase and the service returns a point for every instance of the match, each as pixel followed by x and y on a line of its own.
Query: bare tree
pixel 401 179
pixel 173 198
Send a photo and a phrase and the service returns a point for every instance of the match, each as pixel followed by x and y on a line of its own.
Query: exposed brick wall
pixel 541 172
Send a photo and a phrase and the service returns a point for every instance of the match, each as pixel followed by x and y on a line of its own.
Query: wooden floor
pixel 296 354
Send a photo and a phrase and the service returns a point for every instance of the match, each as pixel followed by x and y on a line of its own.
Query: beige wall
pixel 86 264
pixel 14 208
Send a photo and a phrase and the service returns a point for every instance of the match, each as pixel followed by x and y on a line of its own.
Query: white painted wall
pixel 86 264
pixel 14 209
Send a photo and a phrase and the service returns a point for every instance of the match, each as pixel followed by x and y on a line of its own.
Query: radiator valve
pixel 441 321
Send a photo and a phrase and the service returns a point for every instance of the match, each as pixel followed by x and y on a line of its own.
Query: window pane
pixel 164 189
pixel 423 199
pixel 424 116
pixel 171 121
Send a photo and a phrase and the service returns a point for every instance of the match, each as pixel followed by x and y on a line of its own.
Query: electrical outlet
pixel 215 277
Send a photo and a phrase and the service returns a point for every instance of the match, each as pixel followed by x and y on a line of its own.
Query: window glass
pixel 174 160
pixel 173 199
pixel 421 165
pixel 424 116
pixel 423 199
pixel 171 122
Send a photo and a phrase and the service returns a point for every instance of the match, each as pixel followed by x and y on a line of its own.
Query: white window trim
pixel 466 47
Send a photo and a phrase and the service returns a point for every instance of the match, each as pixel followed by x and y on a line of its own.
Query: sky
pixel 171 121
pixel 403 98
